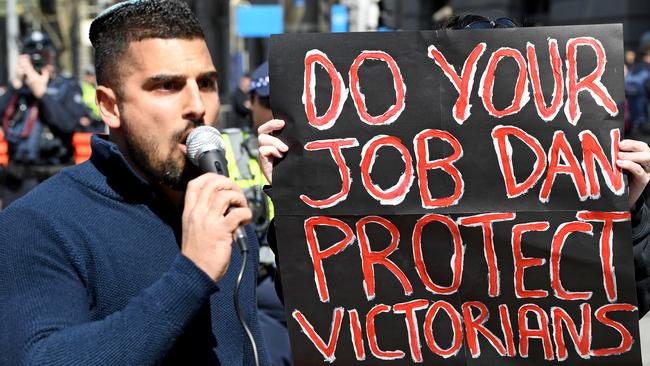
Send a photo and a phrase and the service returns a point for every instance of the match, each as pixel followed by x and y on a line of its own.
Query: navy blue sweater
pixel 91 273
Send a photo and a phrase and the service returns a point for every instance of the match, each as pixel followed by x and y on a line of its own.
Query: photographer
pixel 39 112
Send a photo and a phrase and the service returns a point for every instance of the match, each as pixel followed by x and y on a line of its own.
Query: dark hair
pixel 116 27
pixel 264 101
pixel 644 50
pixel 474 21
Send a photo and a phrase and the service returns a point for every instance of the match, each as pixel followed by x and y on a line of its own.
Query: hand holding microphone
pixel 215 207
pixel 206 149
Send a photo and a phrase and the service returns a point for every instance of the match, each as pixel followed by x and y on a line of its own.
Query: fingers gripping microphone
pixel 206 149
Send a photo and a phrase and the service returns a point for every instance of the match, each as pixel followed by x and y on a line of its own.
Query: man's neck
pixel 173 197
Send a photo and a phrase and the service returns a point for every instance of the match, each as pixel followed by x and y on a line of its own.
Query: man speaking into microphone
pixel 128 259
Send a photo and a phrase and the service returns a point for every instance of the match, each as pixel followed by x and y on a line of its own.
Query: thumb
pixel 45 73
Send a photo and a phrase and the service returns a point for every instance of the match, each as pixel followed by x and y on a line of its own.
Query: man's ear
pixel 106 100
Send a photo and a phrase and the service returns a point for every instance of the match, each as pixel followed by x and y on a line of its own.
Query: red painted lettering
pixel 561 148
pixel 581 341
pixel 560 236
pixel 420 143
pixel 317 255
pixel 456 259
pixel 486 85
pixel 372 335
pixel 546 114
pixel 485 221
pixel 606 246
pixel 395 110
pixel 395 194
pixel 339 92
pixel 334 146
pixel 591 82
pixel 408 309
pixel 500 135
pixel 521 262
pixel 370 258
pixel 506 327
pixel 592 151
pixel 454 317
pixel 357 337
pixel 327 350
pixel 474 326
pixel 526 333
pixel 626 337
pixel 464 83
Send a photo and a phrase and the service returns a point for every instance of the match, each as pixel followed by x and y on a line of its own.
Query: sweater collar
pixel 120 176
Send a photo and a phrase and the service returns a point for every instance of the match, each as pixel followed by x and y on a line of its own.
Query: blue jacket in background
pixel 50 139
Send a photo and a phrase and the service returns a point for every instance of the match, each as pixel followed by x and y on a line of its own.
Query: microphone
pixel 206 150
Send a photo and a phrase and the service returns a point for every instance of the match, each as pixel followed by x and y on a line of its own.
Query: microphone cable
pixel 240 238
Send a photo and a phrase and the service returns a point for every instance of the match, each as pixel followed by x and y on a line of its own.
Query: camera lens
pixel 37 61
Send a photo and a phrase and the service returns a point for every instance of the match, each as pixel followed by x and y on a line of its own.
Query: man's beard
pixel 169 172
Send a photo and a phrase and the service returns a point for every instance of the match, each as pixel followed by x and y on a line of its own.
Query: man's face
pixel 91 79
pixel 260 113
pixel 245 84
pixel 168 87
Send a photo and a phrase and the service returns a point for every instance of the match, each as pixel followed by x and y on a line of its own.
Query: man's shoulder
pixel 56 193
pixel 48 222
pixel 39 206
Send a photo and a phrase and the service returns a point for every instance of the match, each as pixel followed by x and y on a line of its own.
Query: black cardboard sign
pixel 451 197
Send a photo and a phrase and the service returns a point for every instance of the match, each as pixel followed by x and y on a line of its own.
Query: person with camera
pixel 40 111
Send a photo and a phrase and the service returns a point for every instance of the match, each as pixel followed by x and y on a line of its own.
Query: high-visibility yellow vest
pixel 88 93
pixel 245 170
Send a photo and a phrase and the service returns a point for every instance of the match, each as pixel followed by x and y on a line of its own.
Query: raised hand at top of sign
pixel 270 147
pixel 634 158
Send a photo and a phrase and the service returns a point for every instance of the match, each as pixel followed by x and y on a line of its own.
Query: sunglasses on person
pixel 489 24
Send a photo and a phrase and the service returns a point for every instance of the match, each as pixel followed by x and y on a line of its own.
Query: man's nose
pixel 194 104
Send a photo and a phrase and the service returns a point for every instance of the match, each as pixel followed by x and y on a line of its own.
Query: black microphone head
pixel 201 140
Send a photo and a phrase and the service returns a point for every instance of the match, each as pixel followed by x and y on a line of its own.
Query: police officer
pixel 244 169
pixel 91 121
pixel 40 111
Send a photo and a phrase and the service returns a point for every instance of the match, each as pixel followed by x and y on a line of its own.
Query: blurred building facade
pixel 67 22
pixel 634 14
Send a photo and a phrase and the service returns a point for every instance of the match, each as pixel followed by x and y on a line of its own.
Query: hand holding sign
pixel 634 157
pixel 270 147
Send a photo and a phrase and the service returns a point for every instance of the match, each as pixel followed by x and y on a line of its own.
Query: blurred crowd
pixel 44 112
pixel 637 92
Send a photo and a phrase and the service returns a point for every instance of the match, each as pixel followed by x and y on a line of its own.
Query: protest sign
pixel 452 197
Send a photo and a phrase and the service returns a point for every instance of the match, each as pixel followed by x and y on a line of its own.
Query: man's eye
pixel 207 84
pixel 169 85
